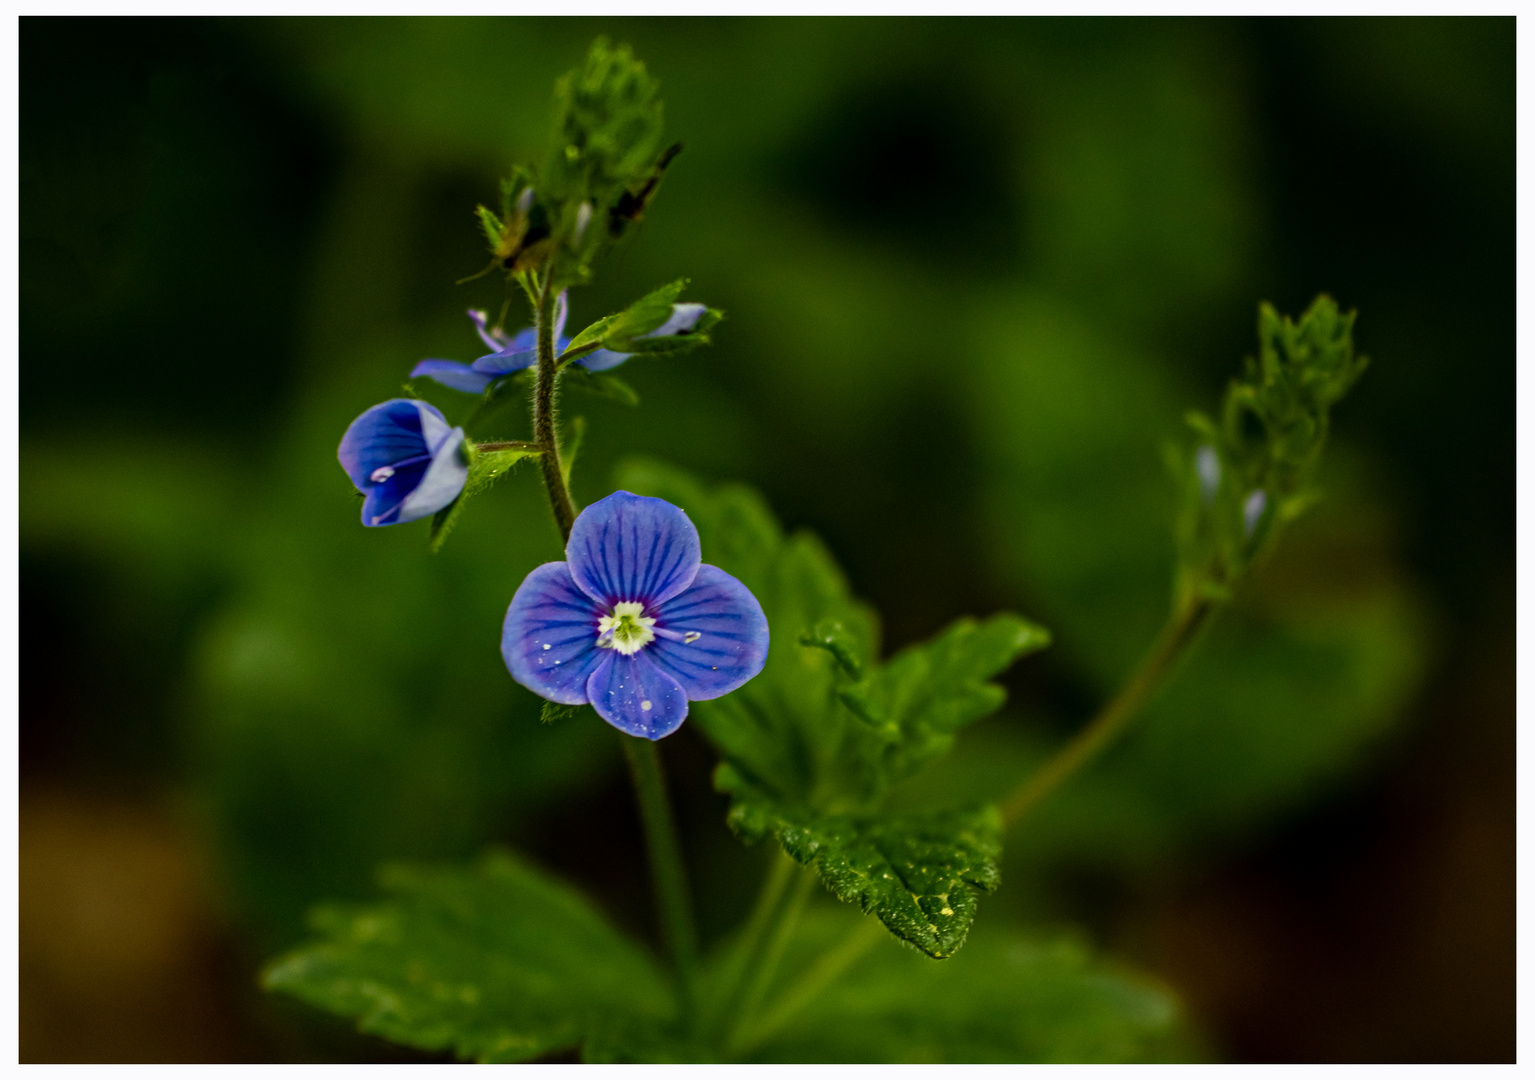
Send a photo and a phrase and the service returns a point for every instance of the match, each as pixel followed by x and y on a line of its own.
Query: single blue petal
pixel 711 638
pixel 683 318
pixel 632 548
pixel 521 353
pixel 504 363
pixel 635 696
pixel 602 359
pixel 442 481
pixel 383 436
pixel 386 498
pixel 453 375
pixel 561 313
pixel 549 639
pixel 493 339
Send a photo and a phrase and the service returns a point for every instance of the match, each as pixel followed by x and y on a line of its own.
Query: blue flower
pixel 633 622
pixel 520 350
pixel 407 461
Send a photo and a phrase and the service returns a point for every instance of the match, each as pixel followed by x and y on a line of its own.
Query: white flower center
pixel 626 629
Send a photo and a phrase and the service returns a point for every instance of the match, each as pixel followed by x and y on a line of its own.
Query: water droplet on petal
pixel 645 706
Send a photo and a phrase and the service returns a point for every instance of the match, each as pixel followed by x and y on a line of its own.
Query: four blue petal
pixel 710 633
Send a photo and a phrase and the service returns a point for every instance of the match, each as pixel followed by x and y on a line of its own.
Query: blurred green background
pixel 974 272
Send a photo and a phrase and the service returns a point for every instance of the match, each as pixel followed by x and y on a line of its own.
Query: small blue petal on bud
pixel 683 318
pixel 1252 512
pixel 405 458
pixel 1207 464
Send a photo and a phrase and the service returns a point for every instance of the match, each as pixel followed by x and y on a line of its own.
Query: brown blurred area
pixel 121 954
pixel 125 956
pixel 1381 929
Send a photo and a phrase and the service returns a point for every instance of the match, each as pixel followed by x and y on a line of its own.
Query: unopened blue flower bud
pixel 1252 512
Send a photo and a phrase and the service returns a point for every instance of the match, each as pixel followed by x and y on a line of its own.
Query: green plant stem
pixel 544 399
pixel 666 869
pixel 822 974
pixel 724 1000
pixel 767 966
pixel 1179 631
pixel 488 447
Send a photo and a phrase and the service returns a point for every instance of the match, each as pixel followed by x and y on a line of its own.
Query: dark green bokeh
pixel 974 273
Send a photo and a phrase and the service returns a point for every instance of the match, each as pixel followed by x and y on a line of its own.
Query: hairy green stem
pixel 1179 631
pixel 822 974
pixel 544 398
pixel 767 966
pixel 666 869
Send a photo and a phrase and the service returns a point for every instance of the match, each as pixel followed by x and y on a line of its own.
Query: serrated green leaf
pixel 919 874
pixel 485 468
pixel 591 337
pixel 928 692
pixel 1011 997
pixel 496 962
pixel 831 635
pixel 808 753
pixel 490 224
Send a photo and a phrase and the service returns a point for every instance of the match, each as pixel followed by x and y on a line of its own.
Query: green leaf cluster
pixel 496 962
pixel 1011 997
pixel 500 962
pixel 811 745
pixel 626 330
pixel 604 165
pixel 607 128
pixel 1254 468
pixel 485 468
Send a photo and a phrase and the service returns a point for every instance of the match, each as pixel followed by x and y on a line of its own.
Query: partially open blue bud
pixel 405 458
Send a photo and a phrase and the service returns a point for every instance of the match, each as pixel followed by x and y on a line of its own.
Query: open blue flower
pixel 520 350
pixel 633 622
pixel 407 461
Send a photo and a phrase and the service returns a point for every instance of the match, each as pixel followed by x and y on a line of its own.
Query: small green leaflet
pixel 812 744
pixel 496 962
pixel 621 332
pixel 918 873
pixel 485 468
pixel 1008 998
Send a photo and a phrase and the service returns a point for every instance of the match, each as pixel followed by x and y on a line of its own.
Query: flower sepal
pixel 488 462
pixel 654 324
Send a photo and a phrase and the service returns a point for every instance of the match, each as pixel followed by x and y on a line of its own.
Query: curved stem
pixel 666 868
pixel 1180 629
pixel 744 953
pixel 762 978
pixel 822 974
pixel 544 397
